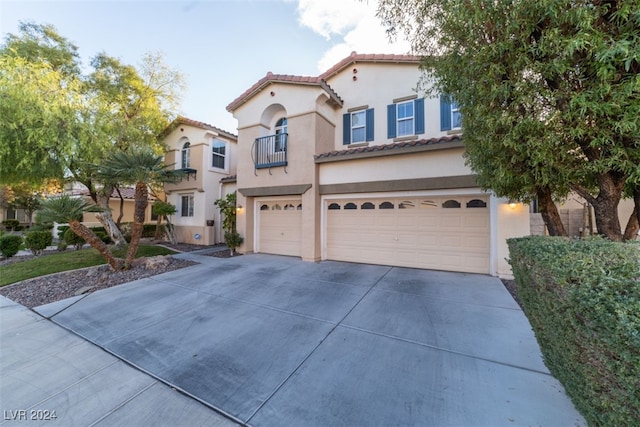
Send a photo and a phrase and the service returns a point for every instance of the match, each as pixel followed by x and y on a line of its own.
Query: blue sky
pixel 222 47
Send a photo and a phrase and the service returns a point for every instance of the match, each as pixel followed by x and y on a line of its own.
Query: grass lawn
pixel 64 261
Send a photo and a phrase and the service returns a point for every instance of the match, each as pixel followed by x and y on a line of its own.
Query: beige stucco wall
pixel 508 220
pixel 89 218
pixel 403 166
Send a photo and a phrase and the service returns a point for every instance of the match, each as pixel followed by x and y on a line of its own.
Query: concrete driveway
pixel 275 341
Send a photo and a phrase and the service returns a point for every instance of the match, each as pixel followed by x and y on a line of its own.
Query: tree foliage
pixel 549 91
pixel 58 121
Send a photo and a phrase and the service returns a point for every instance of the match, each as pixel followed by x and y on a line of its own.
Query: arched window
pixel 350 205
pixel 368 205
pixel 386 205
pixel 186 155
pixel 264 207
pixel 334 207
pixel 476 203
pixel 289 207
pixel 276 207
pixel 281 134
pixel 451 204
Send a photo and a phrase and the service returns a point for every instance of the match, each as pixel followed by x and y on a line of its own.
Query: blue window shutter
pixel 369 115
pixel 346 128
pixel 418 105
pixel 391 121
pixel 445 113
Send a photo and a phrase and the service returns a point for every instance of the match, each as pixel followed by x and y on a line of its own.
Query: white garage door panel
pixel 424 234
pixel 280 228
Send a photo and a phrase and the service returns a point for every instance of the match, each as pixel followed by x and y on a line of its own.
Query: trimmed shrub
pixel 72 238
pixel 11 224
pixel 61 230
pixel 37 241
pixel 10 244
pixel 582 298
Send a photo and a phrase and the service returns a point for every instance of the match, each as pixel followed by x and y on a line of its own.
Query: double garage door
pixel 443 233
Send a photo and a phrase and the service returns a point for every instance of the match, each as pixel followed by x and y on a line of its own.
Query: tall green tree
pixel 548 89
pixel 67 122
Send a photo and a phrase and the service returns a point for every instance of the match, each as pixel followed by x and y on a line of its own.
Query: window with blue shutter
pixel 405 118
pixel 445 113
pixel 369 134
pixel 357 126
pixel 450 117
pixel 346 128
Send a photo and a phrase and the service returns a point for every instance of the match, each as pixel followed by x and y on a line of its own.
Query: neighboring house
pixel 354 165
pixel 128 204
pixel 208 157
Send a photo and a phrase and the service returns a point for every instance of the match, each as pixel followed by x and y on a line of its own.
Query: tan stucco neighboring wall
pixel 114 204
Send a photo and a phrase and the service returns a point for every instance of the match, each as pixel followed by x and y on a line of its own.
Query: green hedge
pixel 582 298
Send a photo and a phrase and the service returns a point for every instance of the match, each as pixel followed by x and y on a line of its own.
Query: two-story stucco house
pixel 208 157
pixel 355 165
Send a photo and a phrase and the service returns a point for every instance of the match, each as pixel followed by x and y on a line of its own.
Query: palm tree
pixel 67 209
pixel 142 167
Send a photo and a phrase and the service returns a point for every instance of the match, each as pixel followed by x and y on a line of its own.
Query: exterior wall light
pixel 239 208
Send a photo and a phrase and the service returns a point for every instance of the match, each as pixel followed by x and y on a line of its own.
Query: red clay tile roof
pixel 180 120
pixel 366 57
pixel 394 146
pixel 321 79
pixel 282 78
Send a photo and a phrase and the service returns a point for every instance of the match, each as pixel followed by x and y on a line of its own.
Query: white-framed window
pixel 456 117
pixel 218 154
pixel 186 155
pixel 186 205
pixel 404 118
pixel 281 135
pixel 358 126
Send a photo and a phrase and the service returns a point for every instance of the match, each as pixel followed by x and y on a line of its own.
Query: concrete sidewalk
pixel 274 341
pixel 50 376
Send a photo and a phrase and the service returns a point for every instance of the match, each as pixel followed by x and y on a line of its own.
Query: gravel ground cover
pixel 54 287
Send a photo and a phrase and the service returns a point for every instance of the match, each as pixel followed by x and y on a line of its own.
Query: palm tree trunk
pixel 106 218
pixel 96 243
pixel 141 202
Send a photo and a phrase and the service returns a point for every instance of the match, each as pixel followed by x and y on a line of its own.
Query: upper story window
pixel 358 126
pixel 450 116
pixel 218 154
pixel 186 155
pixel 281 132
pixel 405 118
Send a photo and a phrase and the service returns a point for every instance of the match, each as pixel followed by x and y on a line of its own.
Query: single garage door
pixel 279 227
pixel 442 233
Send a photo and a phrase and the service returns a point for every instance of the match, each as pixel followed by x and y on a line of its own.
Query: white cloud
pixel 353 23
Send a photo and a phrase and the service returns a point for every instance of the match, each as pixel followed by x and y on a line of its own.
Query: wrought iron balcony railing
pixel 270 151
